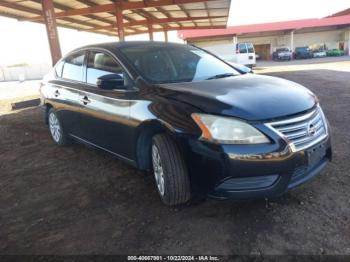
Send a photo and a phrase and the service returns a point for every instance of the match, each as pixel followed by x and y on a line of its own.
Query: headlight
pixel 224 130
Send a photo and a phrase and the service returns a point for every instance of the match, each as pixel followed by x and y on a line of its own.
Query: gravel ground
pixel 77 200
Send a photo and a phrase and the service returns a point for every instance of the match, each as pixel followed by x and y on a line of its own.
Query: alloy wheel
pixel 158 170
pixel 55 127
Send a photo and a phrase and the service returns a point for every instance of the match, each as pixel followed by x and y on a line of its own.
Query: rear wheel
pixel 57 133
pixel 170 171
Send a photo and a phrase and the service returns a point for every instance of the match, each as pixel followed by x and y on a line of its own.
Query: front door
pixel 105 119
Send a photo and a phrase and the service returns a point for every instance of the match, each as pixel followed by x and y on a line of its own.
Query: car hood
pixel 250 97
pixel 284 53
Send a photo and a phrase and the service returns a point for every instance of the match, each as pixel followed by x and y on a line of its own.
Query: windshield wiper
pixel 220 76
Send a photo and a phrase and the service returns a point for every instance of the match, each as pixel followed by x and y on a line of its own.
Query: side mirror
pixel 110 81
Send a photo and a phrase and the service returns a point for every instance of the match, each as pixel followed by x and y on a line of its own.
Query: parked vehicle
pixel 282 54
pixel 303 53
pixel 193 120
pixel 241 53
pixel 335 52
pixel 319 53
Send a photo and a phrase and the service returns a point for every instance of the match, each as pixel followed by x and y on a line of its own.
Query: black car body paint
pixel 119 121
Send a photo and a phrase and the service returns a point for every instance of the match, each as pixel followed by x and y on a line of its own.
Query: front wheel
pixel 170 171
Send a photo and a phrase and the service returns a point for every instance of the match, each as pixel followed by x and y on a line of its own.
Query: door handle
pixel 85 100
pixel 57 93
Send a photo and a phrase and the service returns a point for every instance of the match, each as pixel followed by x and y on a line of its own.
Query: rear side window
pixel 250 48
pixel 100 64
pixel 73 67
pixel 242 48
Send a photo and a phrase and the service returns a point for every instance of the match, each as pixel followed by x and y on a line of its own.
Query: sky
pixel 25 42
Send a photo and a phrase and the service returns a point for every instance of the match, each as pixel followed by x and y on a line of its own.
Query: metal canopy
pixel 138 16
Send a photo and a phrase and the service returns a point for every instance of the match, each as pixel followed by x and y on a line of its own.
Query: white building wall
pixel 330 38
pixel 274 41
pixel 212 42
pixel 26 72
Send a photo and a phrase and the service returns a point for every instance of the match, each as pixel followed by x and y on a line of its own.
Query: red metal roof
pixel 267 27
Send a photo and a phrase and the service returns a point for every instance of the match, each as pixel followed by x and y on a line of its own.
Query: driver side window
pixel 100 64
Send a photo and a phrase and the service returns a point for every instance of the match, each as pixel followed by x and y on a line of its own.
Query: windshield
pixel 282 50
pixel 302 49
pixel 161 63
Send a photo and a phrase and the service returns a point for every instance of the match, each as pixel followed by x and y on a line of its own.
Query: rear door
pixel 242 53
pixel 105 119
pixel 245 54
pixel 65 90
pixel 251 54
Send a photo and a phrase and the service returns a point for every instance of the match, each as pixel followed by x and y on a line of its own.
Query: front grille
pixel 303 131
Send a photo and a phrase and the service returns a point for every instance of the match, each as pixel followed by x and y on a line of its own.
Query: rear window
pixel 302 49
pixel 73 67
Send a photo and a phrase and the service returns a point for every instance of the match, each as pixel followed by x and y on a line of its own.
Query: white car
pixel 319 53
pixel 240 53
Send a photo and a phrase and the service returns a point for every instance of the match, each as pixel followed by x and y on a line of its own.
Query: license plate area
pixel 315 155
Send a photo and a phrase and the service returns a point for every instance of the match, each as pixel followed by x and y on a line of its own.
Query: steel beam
pixel 111 7
pixel 51 29
pixel 17 7
pixel 158 21
pixel 179 28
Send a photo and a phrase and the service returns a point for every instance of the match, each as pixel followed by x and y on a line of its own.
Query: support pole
pixel 119 17
pixel 150 30
pixel 347 38
pixel 51 29
pixel 234 40
pixel 166 35
pixel 292 42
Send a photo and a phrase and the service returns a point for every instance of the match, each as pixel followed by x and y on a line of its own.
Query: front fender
pixel 169 114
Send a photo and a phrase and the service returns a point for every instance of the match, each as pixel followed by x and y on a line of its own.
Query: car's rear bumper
pixel 256 171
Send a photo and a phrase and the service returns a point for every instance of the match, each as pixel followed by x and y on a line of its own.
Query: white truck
pixel 241 53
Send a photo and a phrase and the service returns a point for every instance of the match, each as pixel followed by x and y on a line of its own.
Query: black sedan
pixel 196 122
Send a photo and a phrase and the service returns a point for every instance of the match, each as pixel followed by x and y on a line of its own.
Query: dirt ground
pixel 78 200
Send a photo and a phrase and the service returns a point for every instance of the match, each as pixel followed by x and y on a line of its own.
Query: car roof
pixel 113 46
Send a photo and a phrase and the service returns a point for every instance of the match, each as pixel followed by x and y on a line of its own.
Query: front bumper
pixel 255 171
pixel 285 57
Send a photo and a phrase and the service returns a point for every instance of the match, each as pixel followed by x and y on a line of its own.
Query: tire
pixel 57 133
pixel 170 171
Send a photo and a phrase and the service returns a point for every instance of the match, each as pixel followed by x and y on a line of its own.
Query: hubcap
pixel 55 128
pixel 158 169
